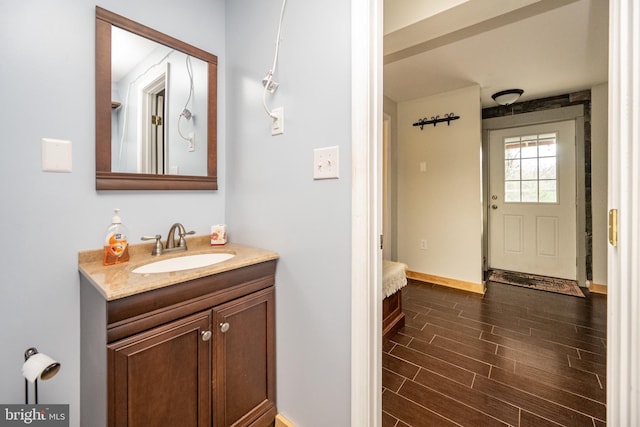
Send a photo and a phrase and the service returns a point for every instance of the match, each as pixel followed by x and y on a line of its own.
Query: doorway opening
pixel 153 145
pixel 531 228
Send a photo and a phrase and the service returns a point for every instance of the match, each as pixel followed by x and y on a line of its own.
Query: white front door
pixel 532 199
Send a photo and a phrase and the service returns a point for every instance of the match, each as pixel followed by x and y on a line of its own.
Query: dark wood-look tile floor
pixel 513 357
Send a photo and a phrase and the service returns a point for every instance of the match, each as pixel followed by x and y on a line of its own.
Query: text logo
pixel 34 415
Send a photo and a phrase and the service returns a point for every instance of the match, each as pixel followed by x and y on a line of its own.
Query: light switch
pixel 56 155
pixel 325 163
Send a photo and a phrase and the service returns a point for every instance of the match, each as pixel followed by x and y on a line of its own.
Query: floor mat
pixel 543 283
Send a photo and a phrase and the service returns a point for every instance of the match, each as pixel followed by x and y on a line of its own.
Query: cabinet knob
pixel 224 327
pixel 206 335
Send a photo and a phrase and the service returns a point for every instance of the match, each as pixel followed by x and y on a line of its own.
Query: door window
pixel 530 169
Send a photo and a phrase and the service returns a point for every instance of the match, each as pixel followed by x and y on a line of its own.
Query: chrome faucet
pixel 171 245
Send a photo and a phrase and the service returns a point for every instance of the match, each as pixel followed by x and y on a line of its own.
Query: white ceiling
pixel 127 50
pixel 546 47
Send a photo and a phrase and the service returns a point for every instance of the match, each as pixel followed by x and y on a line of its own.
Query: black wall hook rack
pixel 435 120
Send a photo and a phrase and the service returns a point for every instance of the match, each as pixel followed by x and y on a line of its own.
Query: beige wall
pixel 442 205
pixel 599 143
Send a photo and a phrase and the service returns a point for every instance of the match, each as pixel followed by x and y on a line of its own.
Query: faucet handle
pixel 182 242
pixel 157 247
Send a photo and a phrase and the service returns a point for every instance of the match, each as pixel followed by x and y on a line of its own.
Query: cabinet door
pixel 244 361
pixel 162 377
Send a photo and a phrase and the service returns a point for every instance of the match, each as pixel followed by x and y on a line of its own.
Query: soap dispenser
pixel 116 247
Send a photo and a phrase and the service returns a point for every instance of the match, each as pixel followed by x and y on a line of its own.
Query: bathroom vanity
pixel 188 348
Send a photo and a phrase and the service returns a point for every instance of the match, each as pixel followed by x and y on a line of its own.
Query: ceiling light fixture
pixel 507 97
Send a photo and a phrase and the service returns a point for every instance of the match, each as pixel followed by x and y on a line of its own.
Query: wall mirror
pixel 156 109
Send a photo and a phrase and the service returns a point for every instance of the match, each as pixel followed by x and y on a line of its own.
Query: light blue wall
pixel 47 85
pixel 267 194
pixel 273 202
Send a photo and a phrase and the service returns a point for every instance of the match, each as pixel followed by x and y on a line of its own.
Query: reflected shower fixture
pixel 37 366
pixel 269 84
pixel 186 114
pixel 507 97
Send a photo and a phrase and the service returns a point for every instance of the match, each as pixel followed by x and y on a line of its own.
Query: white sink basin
pixel 183 263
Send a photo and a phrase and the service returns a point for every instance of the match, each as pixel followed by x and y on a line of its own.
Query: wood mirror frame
pixel 105 178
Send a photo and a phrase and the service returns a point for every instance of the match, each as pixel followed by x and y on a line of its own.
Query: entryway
pixel 532 206
pixel 534 194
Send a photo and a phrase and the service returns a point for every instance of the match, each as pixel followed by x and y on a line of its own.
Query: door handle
pixel 494 206
pixel 224 327
pixel 206 335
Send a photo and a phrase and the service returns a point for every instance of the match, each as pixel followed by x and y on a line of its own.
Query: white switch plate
pixel 325 163
pixel 56 155
pixel 277 123
pixel 192 142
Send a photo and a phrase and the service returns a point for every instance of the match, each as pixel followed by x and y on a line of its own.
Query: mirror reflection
pixel 156 109
pixel 159 108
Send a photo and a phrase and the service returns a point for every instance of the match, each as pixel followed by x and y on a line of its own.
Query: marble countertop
pixel 119 281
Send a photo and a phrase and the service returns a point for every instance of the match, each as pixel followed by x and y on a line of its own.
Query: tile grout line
pixel 530 393
pixel 446 396
pixel 535 317
pixel 600 382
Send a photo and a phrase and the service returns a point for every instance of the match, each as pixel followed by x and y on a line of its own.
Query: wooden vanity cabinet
pixel 244 381
pixel 162 376
pixel 198 353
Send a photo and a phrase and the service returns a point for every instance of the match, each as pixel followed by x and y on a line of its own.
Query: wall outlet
pixel 277 122
pixel 423 244
pixel 192 142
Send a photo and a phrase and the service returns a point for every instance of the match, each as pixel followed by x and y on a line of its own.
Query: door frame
pixel 366 212
pixel 574 112
pixel 387 217
pixel 623 300
pixel 158 82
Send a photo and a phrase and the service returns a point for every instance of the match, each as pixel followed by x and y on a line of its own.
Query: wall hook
pixel 436 119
